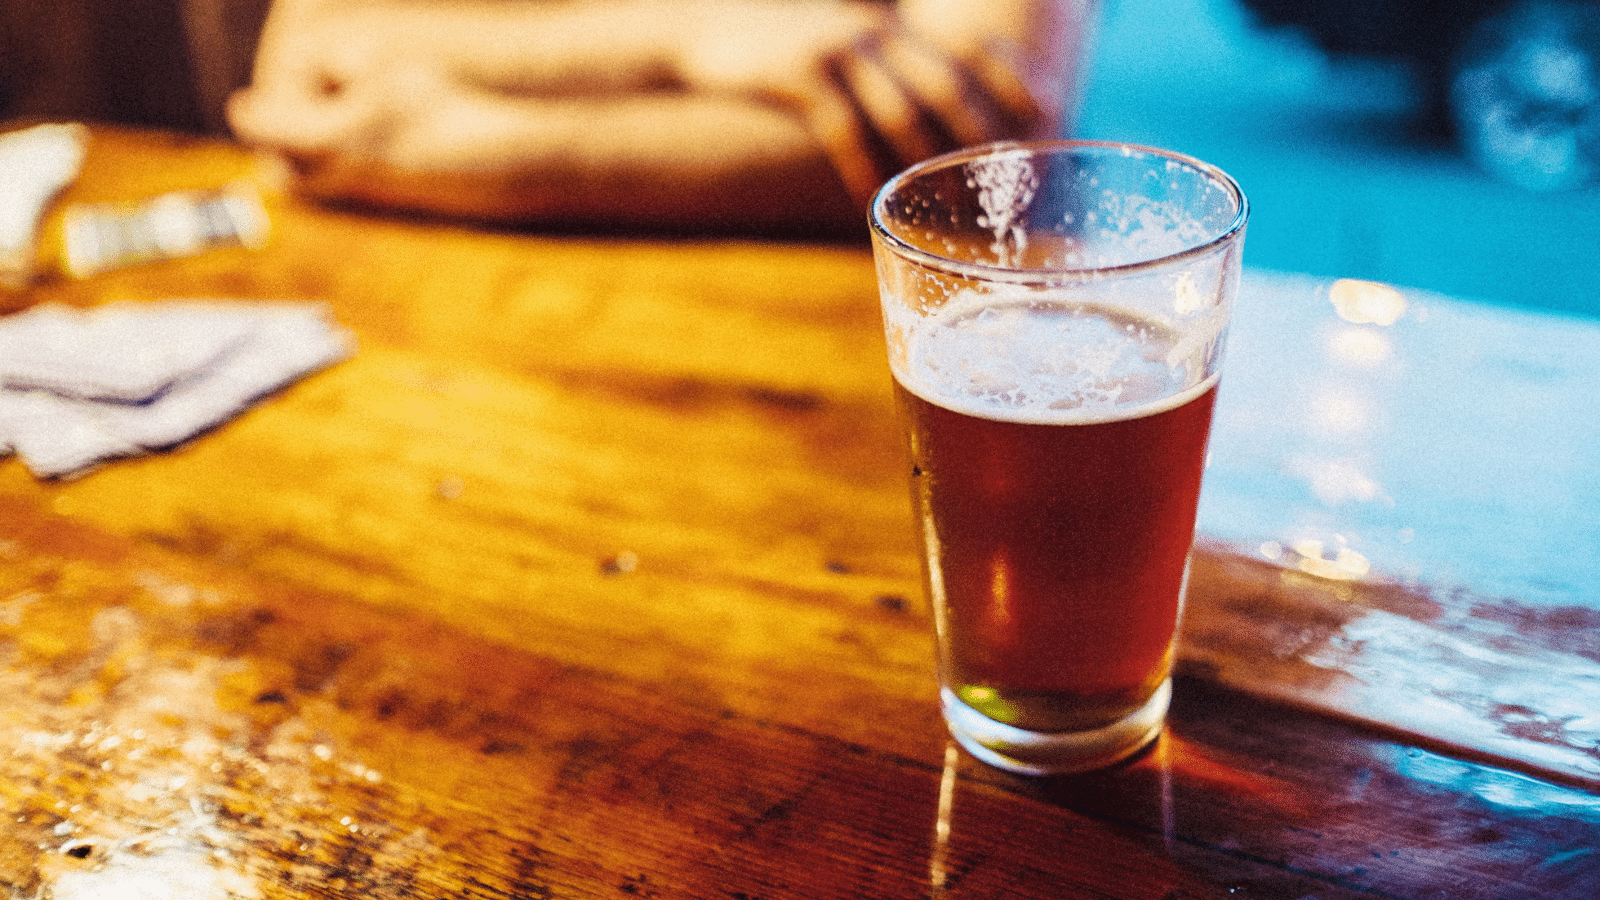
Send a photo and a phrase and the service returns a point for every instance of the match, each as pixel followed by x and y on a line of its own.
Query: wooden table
pixel 591 575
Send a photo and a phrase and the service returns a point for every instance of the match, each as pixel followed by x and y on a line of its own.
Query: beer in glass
pixel 1055 315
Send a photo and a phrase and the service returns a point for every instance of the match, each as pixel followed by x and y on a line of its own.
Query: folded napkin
pixel 78 387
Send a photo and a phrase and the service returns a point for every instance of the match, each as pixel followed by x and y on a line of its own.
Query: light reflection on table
pixel 1429 440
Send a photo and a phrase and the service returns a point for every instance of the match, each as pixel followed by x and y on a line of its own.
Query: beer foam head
pixel 1041 360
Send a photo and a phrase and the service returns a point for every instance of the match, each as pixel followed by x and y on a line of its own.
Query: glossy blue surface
pixel 1454 445
pixel 1450 450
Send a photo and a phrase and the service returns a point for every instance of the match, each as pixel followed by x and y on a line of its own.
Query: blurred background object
pixel 1525 94
pixel 1360 158
pixel 1516 82
pixel 158 63
pixel 745 116
pixel 1452 145
pixel 1426 34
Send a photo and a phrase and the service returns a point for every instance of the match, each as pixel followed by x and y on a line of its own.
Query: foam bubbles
pixel 1006 184
pixel 1042 360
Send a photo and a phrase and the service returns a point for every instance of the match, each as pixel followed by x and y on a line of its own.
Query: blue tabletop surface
pixel 1367 432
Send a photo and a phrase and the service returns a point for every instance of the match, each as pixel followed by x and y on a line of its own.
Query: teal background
pixel 1340 182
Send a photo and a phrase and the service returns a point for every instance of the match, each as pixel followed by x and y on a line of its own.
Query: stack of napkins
pixel 78 387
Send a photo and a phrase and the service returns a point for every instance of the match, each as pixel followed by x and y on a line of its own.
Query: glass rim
pixel 996 272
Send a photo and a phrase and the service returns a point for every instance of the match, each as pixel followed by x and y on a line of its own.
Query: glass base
pixel 1054 753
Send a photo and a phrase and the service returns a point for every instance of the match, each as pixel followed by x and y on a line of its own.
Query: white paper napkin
pixel 36 164
pixel 79 387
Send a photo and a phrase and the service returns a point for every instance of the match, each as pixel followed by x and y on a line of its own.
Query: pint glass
pixel 1055 315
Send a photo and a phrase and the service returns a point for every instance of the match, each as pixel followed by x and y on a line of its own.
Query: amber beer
pixel 1056 486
